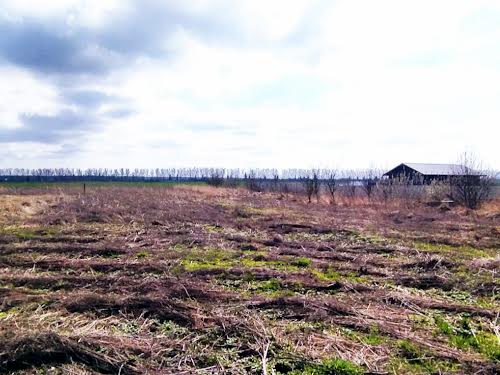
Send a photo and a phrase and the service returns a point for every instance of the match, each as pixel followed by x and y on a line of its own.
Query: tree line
pixel 471 187
pixel 169 174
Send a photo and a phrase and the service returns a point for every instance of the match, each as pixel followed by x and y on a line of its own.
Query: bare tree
pixel 216 177
pixel 471 185
pixel 369 182
pixel 350 182
pixel 329 178
pixel 251 181
pixel 385 187
pixel 311 183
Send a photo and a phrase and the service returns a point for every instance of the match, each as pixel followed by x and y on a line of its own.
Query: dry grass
pixel 222 281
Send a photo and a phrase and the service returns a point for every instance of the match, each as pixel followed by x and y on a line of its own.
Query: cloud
pixel 119 113
pixel 69 45
pixel 197 128
pixel 87 98
pixel 49 129
pixel 292 83
pixel 43 50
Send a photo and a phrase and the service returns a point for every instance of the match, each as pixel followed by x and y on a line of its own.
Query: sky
pixel 248 83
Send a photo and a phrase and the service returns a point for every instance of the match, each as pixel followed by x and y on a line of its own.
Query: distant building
pixel 421 173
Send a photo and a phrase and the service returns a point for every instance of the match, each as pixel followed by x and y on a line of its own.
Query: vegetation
pixel 472 185
pixel 329 367
pixel 199 279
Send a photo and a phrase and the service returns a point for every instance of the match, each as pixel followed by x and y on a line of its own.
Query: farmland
pixel 169 279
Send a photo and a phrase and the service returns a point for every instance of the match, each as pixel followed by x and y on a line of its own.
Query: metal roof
pixel 436 169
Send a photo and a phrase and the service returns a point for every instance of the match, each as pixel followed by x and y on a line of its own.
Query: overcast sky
pixel 248 83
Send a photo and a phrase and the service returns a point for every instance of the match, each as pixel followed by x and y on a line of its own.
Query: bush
pixel 471 185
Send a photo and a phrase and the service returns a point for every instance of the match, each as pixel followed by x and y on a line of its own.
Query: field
pixel 171 279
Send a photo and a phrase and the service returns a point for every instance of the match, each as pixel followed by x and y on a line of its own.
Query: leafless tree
pixel 369 182
pixel 216 177
pixel 438 190
pixel 311 183
pixel 471 185
pixel 385 187
pixel 251 181
pixel 329 178
pixel 349 185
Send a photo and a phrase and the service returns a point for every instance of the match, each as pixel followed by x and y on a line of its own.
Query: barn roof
pixel 435 169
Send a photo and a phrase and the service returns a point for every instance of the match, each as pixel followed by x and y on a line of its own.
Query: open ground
pixel 202 280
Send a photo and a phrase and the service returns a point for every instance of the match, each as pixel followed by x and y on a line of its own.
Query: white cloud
pixel 351 83
pixel 92 13
pixel 21 92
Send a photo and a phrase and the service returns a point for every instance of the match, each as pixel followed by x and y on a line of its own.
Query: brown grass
pixel 205 280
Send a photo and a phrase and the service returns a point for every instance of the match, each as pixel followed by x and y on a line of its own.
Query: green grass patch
pixel 330 274
pixel 202 258
pixel 460 252
pixel 170 328
pixel 9 312
pixel 142 254
pixel 466 335
pixel 411 359
pixel 194 265
pixel 282 265
pixel 272 288
pixel 326 275
pixel 374 337
pixel 334 366
pixel 208 258
pixel 248 286
pixel 271 285
pixel 27 233
pixel 302 262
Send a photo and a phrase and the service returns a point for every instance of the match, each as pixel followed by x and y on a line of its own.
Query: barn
pixel 424 173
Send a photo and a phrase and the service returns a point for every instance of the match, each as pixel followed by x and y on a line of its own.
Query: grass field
pixel 199 280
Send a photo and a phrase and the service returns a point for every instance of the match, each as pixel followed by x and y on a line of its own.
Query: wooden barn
pixel 422 173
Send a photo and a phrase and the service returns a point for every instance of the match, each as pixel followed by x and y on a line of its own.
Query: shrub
pixel 471 185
